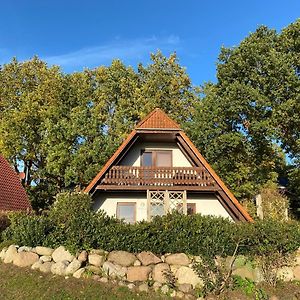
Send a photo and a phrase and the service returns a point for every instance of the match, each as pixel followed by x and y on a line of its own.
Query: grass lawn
pixel 24 283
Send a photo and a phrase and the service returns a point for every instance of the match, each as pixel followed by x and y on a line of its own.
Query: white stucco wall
pixel 133 157
pixel 208 205
pixel 205 204
pixel 108 203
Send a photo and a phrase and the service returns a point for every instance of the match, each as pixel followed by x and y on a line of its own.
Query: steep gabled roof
pixel 12 194
pixel 157 120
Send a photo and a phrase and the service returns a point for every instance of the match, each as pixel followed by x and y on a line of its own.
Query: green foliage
pixel 249 288
pixel 4 222
pixel 275 205
pixel 61 128
pixel 76 225
pixel 27 229
pixel 71 222
pixel 215 277
pixel 267 236
pixel 239 125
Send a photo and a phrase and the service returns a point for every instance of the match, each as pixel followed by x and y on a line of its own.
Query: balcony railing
pixel 158 176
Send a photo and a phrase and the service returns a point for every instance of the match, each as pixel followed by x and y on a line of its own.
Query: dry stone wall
pixel 141 271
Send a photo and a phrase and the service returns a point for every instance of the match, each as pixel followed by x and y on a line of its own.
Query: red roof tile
pixel 157 119
pixel 12 194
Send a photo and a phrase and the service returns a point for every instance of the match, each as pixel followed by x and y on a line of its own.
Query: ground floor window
pixel 191 208
pixel 162 202
pixel 126 211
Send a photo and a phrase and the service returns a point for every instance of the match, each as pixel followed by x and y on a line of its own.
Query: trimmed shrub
pixel 29 230
pixel 71 222
pixel 74 221
pixel 4 222
pixel 266 236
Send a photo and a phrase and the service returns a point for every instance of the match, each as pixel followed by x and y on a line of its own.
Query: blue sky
pixel 77 34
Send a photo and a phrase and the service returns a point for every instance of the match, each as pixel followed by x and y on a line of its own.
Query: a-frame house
pixel 157 170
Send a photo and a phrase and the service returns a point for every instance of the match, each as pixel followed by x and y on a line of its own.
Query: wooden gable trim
pixel 227 195
pixel 228 209
pixel 115 156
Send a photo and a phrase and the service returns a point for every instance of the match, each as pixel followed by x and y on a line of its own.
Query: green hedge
pixel 72 222
pixel 4 222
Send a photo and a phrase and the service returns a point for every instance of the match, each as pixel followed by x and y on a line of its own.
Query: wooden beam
pixel 186 154
pixel 126 150
pixel 223 197
pixel 104 187
pixel 227 208
pixel 190 153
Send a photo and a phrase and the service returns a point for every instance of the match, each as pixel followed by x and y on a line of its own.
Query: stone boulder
pixel 83 256
pixel 45 258
pixel 297 273
pixel 59 268
pixel 96 260
pixel 244 272
pixel 185 288
pixel 114 270
pixel 3 253
pixel 297 260
pixel 159 272
pixel 61 254
pixel 46 267
pixel 98 251
pixel 156 286
pixel 25 259
pixel 137 263
pixel 165 289
pixel 74 265
pixel 187 275
pixel 180 259
pixel 139 273
pixel 79 273
pixel 121 258
pixel 285 274
pixel 25 249
pixel 44 251
pixel 95 270
pixel 10 253
pixel 148 258
pixel 144 287
pixel 36 265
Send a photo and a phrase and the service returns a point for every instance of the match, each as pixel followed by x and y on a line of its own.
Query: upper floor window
pixel 157 158
pixel 126 211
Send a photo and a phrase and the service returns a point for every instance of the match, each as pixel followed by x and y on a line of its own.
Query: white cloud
pixel 127 50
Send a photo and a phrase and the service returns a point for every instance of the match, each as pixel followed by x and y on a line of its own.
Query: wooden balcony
pixel 141 178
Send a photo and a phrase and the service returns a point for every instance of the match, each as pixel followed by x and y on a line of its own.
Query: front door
pixel 152 160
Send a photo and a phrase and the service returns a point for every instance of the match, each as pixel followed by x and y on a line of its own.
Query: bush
pixel 72 222
pixel 275 205
pixel 4 222
pixel 29 230
pixel 267 236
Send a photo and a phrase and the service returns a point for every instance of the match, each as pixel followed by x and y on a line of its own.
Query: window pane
pixel 191 208
pixel 126 211
pixel 164 159
pixel 147 159
pixel 157 209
